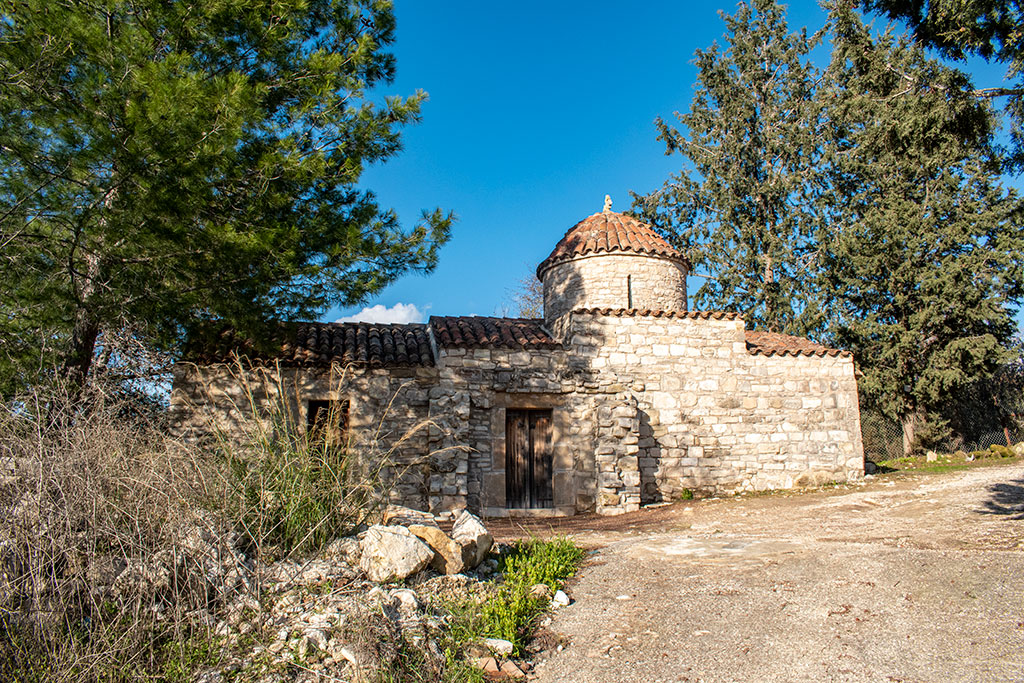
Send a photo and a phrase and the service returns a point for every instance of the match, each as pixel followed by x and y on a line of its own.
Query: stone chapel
pixel 619 397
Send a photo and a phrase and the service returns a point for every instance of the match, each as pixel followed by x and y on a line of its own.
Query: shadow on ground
pixel 1005 499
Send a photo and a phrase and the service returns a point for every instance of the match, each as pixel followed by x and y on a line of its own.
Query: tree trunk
pixel 910 423
pixel 83 345
pixel 769 281
pixel 86 330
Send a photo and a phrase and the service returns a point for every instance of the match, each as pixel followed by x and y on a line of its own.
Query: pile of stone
pixel 330 616
pixel 410 540
pixel 315 631
pixel 203 566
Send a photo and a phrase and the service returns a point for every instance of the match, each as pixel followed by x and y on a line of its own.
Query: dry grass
pixel 124 544
pixel 95 582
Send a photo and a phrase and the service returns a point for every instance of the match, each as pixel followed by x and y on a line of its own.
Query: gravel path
pixel 920 579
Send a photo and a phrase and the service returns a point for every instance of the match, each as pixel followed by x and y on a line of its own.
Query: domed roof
pixel 609 232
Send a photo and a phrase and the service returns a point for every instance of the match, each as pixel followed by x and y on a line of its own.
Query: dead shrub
pixel 106 570
pixel 124 543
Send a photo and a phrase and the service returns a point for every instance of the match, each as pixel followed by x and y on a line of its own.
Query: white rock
pixel 407 599
pixel 396 515
pixel 502 647
pixel 560 599
pixel 392 553
pixel 469 532
pixel 343 550
pixel 316 639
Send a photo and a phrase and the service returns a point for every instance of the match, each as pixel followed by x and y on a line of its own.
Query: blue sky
pixel 536 111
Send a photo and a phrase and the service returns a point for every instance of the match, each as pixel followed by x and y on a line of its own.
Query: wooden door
pixel 528 459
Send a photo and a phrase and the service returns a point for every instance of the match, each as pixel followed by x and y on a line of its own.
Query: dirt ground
pixel 914 579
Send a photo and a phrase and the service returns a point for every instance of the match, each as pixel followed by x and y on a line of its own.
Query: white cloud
pixel 399 313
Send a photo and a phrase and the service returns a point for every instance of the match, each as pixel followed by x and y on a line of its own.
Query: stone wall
pixel 708 415
pixel 388 411
pixel 495 380
pixel 642 408
pixel 615 280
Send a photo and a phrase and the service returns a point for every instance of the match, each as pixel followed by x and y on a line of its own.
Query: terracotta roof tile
pixel 609 232
pixel 649 313
pixel 473 332
pixel 320 344
pixel 761 343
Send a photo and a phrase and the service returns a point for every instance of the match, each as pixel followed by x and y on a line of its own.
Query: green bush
pixel 1001 451
pixel 291 498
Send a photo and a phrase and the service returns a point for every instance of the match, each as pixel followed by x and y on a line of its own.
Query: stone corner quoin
pixel 619 397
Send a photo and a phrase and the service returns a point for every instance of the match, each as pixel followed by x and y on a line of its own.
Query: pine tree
pixel 925 263
pixel 172 162
pixel 744 205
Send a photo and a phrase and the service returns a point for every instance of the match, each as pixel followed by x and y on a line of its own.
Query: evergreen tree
pixel 992 29
pixel 744 205
pixel 171 162
pixel 925 263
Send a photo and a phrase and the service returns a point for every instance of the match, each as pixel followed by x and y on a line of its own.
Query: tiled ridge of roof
pixel 609 232
pixel 652 313
pixel 320 344
pixel 760 343
pixel 360 343
pixel 477 332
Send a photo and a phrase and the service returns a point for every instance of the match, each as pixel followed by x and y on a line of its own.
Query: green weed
pixel 947 462
pixel 290 501
pixel 512 613
pixel 183 659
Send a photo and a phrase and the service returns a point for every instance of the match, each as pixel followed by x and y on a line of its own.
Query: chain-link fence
pixel 985 413
pixel 883 436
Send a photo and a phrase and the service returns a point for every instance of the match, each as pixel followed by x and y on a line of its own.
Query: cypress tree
pixel 924 265
pixel 991 29
pixel 744 206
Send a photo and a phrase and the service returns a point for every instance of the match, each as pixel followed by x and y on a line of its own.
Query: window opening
pixel 327 423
